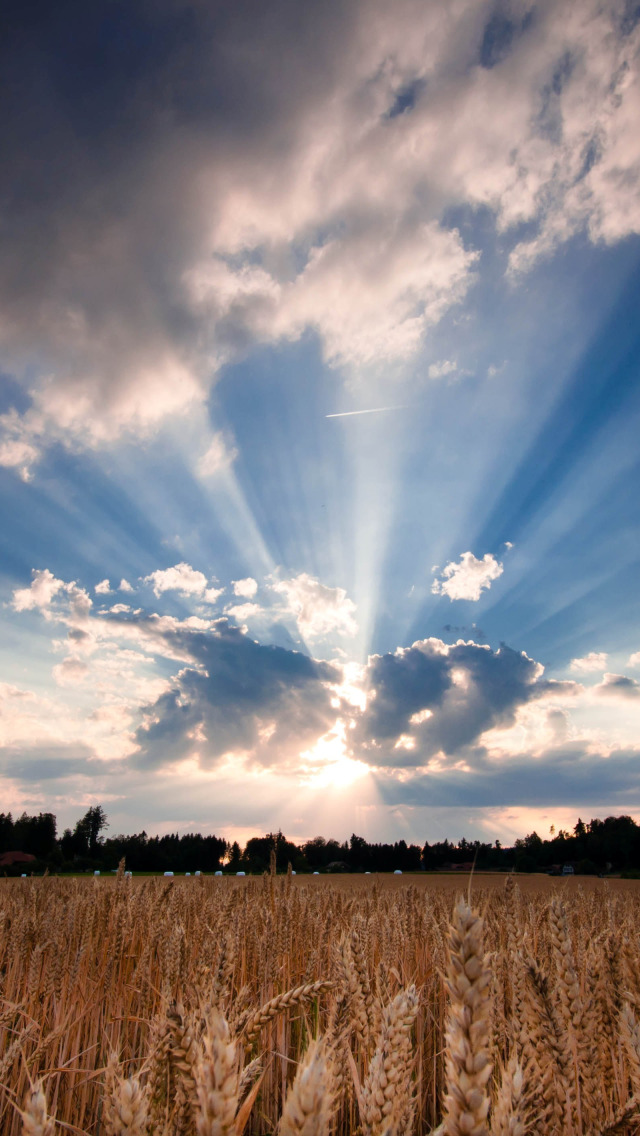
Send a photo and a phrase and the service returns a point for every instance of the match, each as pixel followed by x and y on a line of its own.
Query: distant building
pixel 9 858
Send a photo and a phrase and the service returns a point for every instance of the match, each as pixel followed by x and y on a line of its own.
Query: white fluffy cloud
pixel 240 613
pixel 185 580
pixel 317 609
pixel 594 661
pixel 634 660
pixel 618 686
pixel 370 294
pixel 44 586
pixel 466 579
pixel 246 587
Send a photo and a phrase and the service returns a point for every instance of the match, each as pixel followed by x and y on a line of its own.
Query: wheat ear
pixel 35 1121
pixel 217 1079
pixel 626 1115
pixel 308 1108
pixel 630 1030
pixel 126 1104
pixel 279 1005
pixel 468 1066
pixel 507 1116
pixel 387 1097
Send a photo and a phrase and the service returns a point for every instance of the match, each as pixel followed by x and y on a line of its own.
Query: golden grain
pixel 322 1007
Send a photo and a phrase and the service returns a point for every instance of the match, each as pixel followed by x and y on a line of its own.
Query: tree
pixel 95 820
pixel 6 833
pixel 85 839
pixel 35 834
pixel 86 834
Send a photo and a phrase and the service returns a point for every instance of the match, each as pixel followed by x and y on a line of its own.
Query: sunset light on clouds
pixel 319 415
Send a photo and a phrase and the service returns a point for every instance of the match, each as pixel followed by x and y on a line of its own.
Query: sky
pixel 319 415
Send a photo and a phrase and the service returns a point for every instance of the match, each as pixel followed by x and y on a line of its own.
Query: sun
pixel 327 765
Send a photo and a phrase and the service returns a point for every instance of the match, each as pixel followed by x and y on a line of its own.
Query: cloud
pixel 444 724
pixel 634 660
pixel 466 580
pixel 19 447
pixel 246 587
pixel 44 586
pixel 185 580
pixel 317 609
pixel 444 367
pixel 571 773
pixel 373 295
pixel 70 671
pixel 219 456
pixel 433 699
pixel 50 762
pixel 177 225
pixel 242 612
pixel 125 586
pixel 594 661
pixel 103 588
pixel 403 684
pixel 618 686
pixel 240 697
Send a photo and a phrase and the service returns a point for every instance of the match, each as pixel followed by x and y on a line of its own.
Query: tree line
pixel 596 847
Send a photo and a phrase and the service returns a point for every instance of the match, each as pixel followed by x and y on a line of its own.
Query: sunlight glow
pixel 327 764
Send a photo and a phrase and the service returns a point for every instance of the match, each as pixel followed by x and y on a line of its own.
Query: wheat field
pixel 318 1006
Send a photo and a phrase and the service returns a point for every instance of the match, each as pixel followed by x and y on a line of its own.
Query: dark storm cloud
pixel 404 683
pixel 239 689
pixel 36 763
pixel 570 775
pixel 467 689
pixel 117 123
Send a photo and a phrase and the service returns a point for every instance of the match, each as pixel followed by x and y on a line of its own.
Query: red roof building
pixel 9 858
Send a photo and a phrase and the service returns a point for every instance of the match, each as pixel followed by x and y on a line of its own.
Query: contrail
pixel 374 410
